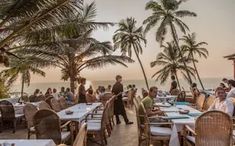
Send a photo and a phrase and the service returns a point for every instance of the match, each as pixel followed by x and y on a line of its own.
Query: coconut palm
pixel 24 68
pixel 74 53
pixel 19 19
pixel 166 13
pixel 129 37
pixel 194 48
pixel 171 63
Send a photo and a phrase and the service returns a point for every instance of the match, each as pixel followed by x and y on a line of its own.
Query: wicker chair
pixel 97 128
pixel 105 97
pixel 48 126
pixel 63 103
pixel 141 135
pixel 8 114
pixel 55 105
pixel 208 102
pixel 155 130
pixel 44 105
pixel 29 111
pixel 200 102
pixel 81 138
pixel 213 128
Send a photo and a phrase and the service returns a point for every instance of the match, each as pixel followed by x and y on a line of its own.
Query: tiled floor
pixel 122 135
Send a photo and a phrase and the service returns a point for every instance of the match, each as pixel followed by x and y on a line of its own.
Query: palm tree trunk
pixel 177 79
pixel 173 31
pixel 195 67
pixel 22 86
pixel 72 83
pixel 141 65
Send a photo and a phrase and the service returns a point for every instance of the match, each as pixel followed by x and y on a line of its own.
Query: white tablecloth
pixel 26 142
pixel 79 111
pixel 178 124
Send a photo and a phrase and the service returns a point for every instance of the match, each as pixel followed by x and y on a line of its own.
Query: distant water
pixel 209 83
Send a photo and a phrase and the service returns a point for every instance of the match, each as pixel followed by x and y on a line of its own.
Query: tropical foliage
pixel 73 53
pixel 194 49
pixel 34 21
pixel 23 68
pixel 166 14
pixel 171 63
pixel 3 89
pixel 128 37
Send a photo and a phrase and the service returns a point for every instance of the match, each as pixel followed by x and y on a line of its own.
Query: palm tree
pixel 129 37
pixel 171 63
pixel 19 19
pixel 23 68
pixel 74 53
pixel 193 48
pixel 166 14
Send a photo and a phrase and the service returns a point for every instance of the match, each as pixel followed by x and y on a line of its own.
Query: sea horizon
pixel 209 83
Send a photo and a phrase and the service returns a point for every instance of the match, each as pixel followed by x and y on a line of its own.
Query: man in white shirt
pixel 231 93
pixel 222 103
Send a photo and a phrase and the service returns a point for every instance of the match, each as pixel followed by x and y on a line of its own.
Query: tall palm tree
pixel 129 37
pixel 24 68
pixel 194 49
pixel 166 13
pixel 171 63
pixel 19 18
pixel 74 53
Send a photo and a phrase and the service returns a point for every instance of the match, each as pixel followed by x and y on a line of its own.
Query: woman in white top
pixel 221 103
pixel 231 93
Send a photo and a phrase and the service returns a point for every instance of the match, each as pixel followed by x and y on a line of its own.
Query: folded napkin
pixel 182 103
pixel 194 114
pixel 175 117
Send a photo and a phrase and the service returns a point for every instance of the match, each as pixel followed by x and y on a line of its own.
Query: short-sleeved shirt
pixel 148 102
pixel 231 93
pixel 225 106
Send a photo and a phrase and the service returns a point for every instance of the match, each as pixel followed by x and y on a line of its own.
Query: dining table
pixel 78 112
pixel 27 142
pixel 179 120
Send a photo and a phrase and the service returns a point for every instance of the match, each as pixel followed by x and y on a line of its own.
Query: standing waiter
pixel 119 108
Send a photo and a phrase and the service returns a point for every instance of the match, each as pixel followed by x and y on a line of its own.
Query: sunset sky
pixel 214 24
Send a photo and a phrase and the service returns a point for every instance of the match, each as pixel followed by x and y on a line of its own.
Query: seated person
pixel 221 103
pixel 90 97
pixel 148 102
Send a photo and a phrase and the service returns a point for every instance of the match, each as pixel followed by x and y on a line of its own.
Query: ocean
pixel 209 83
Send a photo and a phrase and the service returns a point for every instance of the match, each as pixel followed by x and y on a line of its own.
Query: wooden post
pixel 234 68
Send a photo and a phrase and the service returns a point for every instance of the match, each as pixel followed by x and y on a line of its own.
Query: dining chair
pixel 208 102
pixel 43 105
pixel 63 103
pixel 212 128
pixel 81 138
pixel 29 112
pixel 55 105
pixel 8 114
pixel 48 126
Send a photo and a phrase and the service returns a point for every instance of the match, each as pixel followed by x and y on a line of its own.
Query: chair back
pixel 48 99
pixel 44 105
pixel 29 111
pixel 81 138
pixel 214 128
pixel 7 110
pixel 111 107
pixel 55 105
pixel 208 102
pixel 63 103
pixel 47 125
pixel 105 97
pixel 138 99
pixel 200 101
pixel 139 126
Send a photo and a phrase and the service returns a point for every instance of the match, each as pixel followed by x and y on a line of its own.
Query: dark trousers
pixel 124 117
